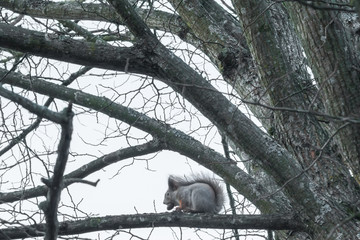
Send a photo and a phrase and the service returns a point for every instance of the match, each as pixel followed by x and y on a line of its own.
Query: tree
pixel 295 64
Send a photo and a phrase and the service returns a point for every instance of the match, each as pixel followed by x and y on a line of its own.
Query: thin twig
pixel 228 189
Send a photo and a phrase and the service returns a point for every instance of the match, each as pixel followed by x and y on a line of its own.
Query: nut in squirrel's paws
pixel 170 206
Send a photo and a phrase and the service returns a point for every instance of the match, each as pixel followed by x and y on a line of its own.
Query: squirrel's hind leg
pixel 183 208
pixel 180 207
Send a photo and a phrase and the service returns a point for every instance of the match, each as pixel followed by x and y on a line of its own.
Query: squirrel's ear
pixel 172 184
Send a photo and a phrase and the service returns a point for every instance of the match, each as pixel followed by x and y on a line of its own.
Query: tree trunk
pixel 273 42
pixel 335 62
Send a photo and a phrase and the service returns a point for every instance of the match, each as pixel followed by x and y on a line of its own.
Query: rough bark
pixel 335 63
pixel 273 222
pixel 220 36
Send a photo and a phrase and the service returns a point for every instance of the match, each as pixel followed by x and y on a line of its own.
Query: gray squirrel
pixel 196 194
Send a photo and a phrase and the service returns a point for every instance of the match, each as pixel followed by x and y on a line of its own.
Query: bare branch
pixel 33 107
pixel 95 12
pixel 75 51
pixel 85 170
pixel 273 222
pixel 50 206
pixel 68 181
pixel 132 19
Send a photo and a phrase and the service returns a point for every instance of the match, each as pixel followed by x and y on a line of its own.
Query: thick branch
pixel 272 222
pixel 74 51
pixel 74 10
pixel 131 19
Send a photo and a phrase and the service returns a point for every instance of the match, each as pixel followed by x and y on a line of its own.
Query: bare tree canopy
pixel 263 94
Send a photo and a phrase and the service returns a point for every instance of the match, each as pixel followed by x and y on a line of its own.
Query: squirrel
pixel 197 194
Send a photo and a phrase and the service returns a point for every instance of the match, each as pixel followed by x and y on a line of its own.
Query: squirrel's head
pixel 169 195
pixel 168 200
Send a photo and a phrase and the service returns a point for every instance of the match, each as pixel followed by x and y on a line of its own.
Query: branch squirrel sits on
pixel 197 194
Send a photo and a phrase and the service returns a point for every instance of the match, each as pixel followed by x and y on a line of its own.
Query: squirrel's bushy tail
pixel 219 193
